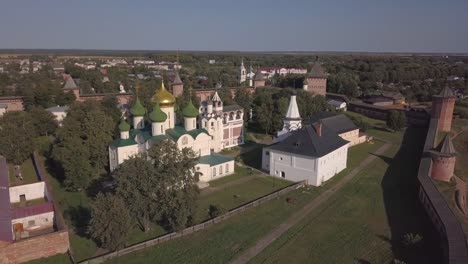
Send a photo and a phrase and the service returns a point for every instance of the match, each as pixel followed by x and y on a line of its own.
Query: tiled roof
pixel 70 84
pixel 338 123
pixel 307 142
pixel 446 146
pixel 317 71
pixel 446 92
pixel 33 210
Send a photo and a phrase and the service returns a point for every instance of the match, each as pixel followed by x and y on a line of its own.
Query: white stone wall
pixel 40 221
pixel 215 172
pixel 31 191
pixel 331 164
pixel 170 121
pixel 298 168
pixel 200 145
pixel 353 137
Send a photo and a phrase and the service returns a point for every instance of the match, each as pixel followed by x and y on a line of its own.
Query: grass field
pixel 57 259
pixel 378 129
pixel 366 220
pixel 75 207
pixel 240 172
pixel 222 242
pixel 28 172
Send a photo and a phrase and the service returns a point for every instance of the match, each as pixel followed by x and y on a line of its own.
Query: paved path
pixel 306 210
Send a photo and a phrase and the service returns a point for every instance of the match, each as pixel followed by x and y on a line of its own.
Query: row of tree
pixel 159 188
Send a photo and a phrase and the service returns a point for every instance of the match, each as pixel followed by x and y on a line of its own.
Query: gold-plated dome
pixel 163 97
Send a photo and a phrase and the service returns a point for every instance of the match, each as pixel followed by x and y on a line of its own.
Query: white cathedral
pixel 206 131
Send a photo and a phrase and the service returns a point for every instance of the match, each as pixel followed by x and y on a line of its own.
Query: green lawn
pixel 234 196
pixel 366 220
pixel 28 172
pixel 222 242
pixel 378 129
pixel 57 259
pixel 240 172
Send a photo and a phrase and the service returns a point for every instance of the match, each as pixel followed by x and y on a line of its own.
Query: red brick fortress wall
pixel 317 86
pixel 35 248
pixel 443 168
pixel 442 109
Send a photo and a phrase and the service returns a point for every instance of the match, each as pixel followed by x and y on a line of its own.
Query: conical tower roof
pixel 259 76
pixel 157 115
pixel 138 109
pixel 446 146
pixel 70 84
pixel 190 110
pixel 163 97
pixel 216 97
pixel 446 92
pixel 317 71
pixel 177 79
pixel 293 110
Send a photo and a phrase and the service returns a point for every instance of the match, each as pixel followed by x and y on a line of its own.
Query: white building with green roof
pixel 137 138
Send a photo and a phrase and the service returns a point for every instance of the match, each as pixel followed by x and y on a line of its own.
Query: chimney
pixel 318 128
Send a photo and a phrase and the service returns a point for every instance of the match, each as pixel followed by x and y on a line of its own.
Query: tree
pixel 43 121
pixel 16 136
pixel 396 120
pixel 83 140
pixel 110 221
pixel 177 179
pixel 138 186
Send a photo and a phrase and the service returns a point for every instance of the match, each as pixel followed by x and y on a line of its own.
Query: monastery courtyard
pixel 357 211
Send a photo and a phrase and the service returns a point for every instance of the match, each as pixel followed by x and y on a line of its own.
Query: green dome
pixel 138 109
pixel 157 115
pixel 124 126
pixel 190 110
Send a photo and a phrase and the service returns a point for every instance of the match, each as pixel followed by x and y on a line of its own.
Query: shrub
pixel 216 210
pixel 411 239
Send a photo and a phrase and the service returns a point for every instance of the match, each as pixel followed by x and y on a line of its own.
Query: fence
pixel 195 228
pixel 453 238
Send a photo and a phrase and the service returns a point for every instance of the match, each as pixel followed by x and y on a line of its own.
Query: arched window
pixel 231 116
pixel 162 128
pixel 214 172
pixel 227 167
pixel 220 170
pixel 184 141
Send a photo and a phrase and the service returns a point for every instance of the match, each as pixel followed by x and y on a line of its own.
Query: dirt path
pixel 306 210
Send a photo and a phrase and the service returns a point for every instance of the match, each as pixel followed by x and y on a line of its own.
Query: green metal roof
pixel 157 115
pixel 138 109
pixel 172 134
pixel 124 126
pixel 118 143
pixel 214 159
pixel 178 131
pixel 190 110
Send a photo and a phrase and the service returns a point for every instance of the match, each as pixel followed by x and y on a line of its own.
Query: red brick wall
pixel 317 86
pixel 177 89
pixel 442 108
pixel 259 83
pixel 35 248
pixel 14 103
pixel 442 168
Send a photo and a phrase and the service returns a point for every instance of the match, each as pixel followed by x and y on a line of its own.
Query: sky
pixel 237 25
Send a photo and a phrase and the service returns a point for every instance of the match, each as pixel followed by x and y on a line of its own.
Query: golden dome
pixel 163 97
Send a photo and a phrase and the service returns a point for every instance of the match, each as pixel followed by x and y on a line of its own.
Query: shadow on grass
pixel 404 212
pixel 253 158
pixel 80 217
